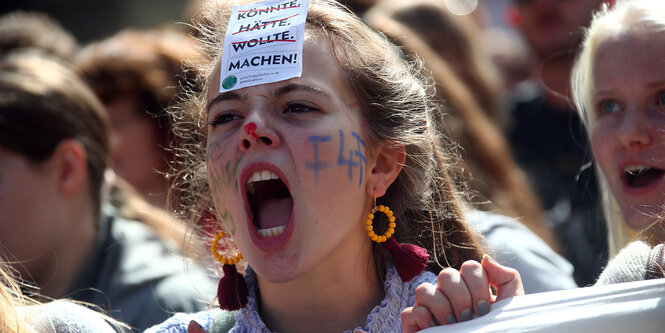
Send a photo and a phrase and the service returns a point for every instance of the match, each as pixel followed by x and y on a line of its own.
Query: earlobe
pixel 388 164
pixel 71 160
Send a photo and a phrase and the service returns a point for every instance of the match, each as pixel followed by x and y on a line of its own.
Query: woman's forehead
pixel 320 68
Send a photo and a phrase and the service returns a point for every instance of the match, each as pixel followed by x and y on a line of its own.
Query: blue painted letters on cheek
pixel 356 157
pixel 317 165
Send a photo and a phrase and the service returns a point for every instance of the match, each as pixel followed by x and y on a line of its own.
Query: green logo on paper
pixel 229 82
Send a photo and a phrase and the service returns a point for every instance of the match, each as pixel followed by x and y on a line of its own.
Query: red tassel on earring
pixel 232 290
pixel 409 260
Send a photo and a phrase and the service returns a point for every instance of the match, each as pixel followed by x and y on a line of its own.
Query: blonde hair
pixel 626 16
pixel 17 309
pixel 396 102
pixel 11 299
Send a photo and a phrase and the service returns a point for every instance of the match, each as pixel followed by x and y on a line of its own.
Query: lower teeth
pixel 272 232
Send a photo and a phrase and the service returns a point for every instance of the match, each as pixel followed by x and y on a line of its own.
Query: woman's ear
pixel 71 162
pixel 388 163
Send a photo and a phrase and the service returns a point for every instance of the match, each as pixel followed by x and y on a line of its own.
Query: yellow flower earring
pixel 409 260
pixel 232 290
pixel 370 221
pixel 215 248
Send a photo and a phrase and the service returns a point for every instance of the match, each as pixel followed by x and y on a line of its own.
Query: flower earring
pixel 232 289
pixel 409 260
pixel 370 219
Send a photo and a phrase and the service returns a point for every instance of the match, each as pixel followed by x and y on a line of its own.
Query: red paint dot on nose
pixel 250 128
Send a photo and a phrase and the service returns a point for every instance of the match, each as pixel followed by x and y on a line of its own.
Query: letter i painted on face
pixel 317 165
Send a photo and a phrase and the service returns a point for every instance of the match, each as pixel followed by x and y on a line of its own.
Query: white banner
pixel 634 307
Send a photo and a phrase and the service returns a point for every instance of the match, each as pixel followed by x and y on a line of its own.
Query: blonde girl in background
pixel 618 88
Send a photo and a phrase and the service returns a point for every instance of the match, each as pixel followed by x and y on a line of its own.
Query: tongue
pixel 274 212
pixel 646 178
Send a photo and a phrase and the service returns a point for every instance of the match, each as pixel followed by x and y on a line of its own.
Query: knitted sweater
pixel 636 262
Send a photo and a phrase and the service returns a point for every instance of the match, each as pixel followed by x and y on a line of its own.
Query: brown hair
pixel 487 161
pixel 21 30
pixel 397 104
pixel 152 66
pixel 42 102
pixel 454 38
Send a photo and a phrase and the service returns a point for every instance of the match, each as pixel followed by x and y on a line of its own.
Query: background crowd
pixel 86 211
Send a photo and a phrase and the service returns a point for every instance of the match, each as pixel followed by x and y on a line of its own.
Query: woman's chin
pixel 642 219
pixel 280 268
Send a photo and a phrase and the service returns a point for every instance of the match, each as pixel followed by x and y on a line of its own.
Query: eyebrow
pixel 284 90
pixel 656 84
pixel 608 92
pixel 289 88
pixel 227 96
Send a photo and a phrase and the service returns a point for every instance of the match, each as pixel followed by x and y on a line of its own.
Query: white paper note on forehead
pixel 263 43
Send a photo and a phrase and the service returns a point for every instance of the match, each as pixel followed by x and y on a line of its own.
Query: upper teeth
pixel 636 169
pixel 262 175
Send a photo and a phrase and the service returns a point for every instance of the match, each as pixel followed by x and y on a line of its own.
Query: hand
pixel 459 294
pixel 194 327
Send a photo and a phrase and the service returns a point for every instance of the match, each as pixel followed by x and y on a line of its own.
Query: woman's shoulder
pixel 514 245
pixel 146 280
pixel 67 317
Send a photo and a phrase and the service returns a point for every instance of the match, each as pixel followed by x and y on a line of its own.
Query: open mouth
pixel 638 176
pixel 270 201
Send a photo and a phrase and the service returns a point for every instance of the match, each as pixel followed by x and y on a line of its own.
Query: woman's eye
pixel 299 108
pixel 223 118
pixel 607 107
pixel 661 98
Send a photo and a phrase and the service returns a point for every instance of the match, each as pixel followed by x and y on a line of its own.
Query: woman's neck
pixel 74 251
pixel 336 296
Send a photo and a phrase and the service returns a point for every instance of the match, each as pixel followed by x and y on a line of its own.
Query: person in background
pixel 56 226
pixel 547 137
pixel 618 89
pixel 486 165
pixel 455 39
pixel 138 75
pixel 21 314
pixel 34 30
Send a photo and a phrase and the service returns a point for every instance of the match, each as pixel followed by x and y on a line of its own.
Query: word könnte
pixel 275 59
pixel 243 14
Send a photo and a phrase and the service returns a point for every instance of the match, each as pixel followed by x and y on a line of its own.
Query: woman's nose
pixel 256 132
pixel 634 130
